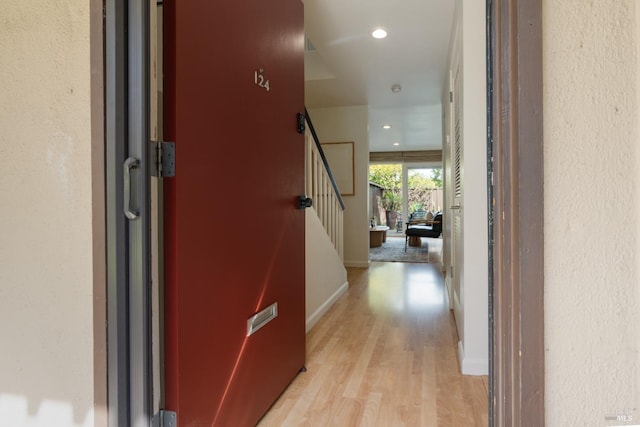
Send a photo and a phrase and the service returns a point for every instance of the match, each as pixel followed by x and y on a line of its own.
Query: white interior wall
pixel 343 124
pixel 475 218
pixel 591 211
pixel 325 275
pixel 472 315
pixel 46 300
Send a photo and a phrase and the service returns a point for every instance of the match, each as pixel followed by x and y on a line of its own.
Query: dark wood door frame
pixel 516 160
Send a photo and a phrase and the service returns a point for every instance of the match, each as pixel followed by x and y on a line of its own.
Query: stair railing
pixel 322 188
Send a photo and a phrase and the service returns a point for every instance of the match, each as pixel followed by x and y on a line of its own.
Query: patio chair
pixel 415 229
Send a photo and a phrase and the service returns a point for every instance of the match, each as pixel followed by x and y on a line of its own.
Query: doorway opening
pixel 403 195
pixel 425 192
pixel 386 185
pixel 518 389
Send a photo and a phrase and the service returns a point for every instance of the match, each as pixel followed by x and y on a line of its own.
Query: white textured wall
pixel 591 210
pixel 342 124
pixel 636 337
pixel 46 356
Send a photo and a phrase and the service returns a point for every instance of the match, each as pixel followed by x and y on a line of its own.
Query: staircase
pixel 326 277
pixel 320 186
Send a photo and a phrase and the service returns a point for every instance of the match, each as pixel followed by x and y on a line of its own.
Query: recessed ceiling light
pixel 379 33
pixel 386 126
pixel 396 143
pixel 396 88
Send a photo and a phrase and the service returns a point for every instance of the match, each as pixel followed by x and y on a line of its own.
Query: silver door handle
pixel 455 207
pixel 129 164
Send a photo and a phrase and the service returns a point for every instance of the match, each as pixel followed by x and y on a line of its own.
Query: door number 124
pixel 260 80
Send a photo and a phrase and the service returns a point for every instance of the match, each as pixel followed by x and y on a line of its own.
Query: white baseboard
pixel 470 366
pixel 357 264
pixel 447 293
pixel 458 314
pixel 313 319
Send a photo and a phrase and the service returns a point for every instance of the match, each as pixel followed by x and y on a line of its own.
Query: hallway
pixel 384 355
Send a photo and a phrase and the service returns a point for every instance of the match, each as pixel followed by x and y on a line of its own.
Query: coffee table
pixel 377 236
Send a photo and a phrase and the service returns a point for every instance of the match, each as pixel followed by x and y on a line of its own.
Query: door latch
pixel 301 123
pixel 304 202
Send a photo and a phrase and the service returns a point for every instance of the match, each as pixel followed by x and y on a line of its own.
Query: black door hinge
pixel 163 159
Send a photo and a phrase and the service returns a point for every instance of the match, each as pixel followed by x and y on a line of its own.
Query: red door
pixel 234 237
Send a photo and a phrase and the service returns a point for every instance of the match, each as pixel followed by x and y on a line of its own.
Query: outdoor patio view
pixel 386 193
pixel 402 196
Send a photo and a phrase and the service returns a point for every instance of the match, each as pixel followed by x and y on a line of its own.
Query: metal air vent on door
pixel 261 318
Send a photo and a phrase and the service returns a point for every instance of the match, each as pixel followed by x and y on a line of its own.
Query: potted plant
pixel 391 202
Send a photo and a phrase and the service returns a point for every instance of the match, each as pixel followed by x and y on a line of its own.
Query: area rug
pixel 393 251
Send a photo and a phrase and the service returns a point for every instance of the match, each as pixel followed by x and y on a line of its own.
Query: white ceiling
pixel 349 67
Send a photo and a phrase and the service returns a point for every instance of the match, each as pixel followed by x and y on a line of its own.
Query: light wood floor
pixel 384 355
